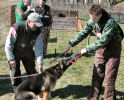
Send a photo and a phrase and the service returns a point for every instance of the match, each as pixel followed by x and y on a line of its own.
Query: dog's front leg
pixel 49 96
pixel 39 98
pixel 45 95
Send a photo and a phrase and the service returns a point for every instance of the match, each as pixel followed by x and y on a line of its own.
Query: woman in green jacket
pixel 108 50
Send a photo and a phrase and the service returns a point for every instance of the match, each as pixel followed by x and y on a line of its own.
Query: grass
pixel 76 82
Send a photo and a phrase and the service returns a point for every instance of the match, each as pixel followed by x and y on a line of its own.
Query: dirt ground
pixel 7 3
pixel 4 20
pixel 5 8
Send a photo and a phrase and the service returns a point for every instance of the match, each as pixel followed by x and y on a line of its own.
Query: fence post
pixel 12 12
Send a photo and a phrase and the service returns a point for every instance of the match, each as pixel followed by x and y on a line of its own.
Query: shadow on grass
pixel 120 94
pixel 53 40
pixel 5 85
pixel 78 91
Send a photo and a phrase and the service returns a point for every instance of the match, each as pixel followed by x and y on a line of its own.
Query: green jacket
pixel 109 30
pixel 24 8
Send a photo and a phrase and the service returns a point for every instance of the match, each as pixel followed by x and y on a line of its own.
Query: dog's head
pixel 62 65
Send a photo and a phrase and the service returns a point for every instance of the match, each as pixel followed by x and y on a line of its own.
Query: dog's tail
pixel 26 95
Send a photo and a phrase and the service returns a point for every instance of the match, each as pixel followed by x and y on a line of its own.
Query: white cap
pixel 35 17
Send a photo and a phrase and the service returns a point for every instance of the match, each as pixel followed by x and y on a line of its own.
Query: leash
pixel 19 76
pixel 24 76
pixel 58 56
pixel 75 60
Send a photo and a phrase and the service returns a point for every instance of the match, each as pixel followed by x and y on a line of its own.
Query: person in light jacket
pixel 19 47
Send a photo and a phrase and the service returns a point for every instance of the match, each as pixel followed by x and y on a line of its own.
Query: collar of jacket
pixel 104 18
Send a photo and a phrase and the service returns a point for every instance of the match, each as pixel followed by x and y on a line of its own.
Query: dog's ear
pixel 61 64
pixel 58 65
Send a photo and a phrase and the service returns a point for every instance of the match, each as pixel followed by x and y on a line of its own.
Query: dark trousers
pixel 106 66
pixel 46 36
pixel 29 65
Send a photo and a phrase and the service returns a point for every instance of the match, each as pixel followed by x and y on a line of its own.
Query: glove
pixel 40 69
pixel 83 51
pixel 68 48
pixel 75 56
pixel 78 55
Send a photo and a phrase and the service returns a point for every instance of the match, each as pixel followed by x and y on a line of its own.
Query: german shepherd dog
pixel 42 84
